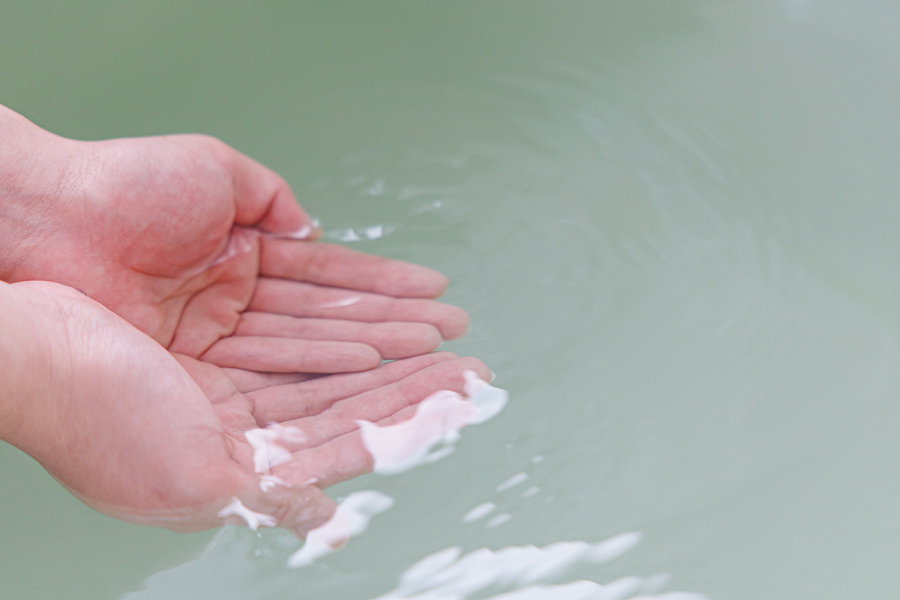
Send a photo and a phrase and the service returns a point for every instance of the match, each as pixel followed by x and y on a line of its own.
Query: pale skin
pixel 184 313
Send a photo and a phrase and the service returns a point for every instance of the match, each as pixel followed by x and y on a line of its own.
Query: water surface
pixel 675 226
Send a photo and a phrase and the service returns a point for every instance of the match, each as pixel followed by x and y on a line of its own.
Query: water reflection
pixel 453 575
pixel 675 226
pixel 508 573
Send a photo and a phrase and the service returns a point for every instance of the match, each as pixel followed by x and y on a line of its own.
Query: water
pixel 674 225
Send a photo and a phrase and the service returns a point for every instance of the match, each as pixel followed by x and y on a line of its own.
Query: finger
pixel 286 402
pixel 295 299
pixel 338 460
pixel 263 199
pixel 295 505
pixel 329 264
pixel 391 340
pixel 302 512
pixel 374 405
pixel 286 355
pixel 250 381
pixel 348 456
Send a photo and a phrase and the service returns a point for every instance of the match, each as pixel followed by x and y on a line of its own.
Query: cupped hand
pixel 208 252
pixel 159 438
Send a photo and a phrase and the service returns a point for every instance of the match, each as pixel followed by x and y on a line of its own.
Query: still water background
pixel 675 225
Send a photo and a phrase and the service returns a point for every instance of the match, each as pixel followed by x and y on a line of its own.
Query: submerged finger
pixel 328 264
pixel 377 404
pixel 286 402
pixel 391 340
pixel 292 503
pixel 350 455
pixel 295 299
pixel 286 355
pixel 338 460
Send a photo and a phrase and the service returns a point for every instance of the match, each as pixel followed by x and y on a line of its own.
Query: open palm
pixel 199 247
pixel 206 314
pixel 157 438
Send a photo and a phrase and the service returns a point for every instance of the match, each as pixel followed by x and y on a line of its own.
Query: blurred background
pixel 675 226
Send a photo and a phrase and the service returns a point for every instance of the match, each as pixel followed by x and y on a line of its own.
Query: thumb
pixel 263 199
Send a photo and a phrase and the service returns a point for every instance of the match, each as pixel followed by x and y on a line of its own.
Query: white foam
pixel 301 234
pixel 254 519
pixel 345 235
pixel 267 452
pixel 531 491
pixel 450 574
pixel 432 564
pixel 498 520
pixel 512 482
pixel 267 482
pixel 372 232
pixel 576 590
pixel 613 547
pixel 398 448
pixel 480 511
pixel 350 519
pixel 376 189
pixel 437 421
pixel 489 400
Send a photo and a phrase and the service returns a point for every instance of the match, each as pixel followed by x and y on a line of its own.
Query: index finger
pixel 331 265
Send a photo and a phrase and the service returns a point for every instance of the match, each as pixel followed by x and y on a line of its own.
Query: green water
pixel 675 225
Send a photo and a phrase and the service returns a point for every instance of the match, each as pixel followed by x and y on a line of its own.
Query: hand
pixel 156 438
pixel 182 236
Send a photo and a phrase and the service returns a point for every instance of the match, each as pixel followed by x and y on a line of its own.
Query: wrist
pixel 39 177
pixel 25 368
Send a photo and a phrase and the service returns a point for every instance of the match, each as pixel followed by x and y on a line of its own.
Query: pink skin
pixel 158 438
pixel 180 243
pixel 179 234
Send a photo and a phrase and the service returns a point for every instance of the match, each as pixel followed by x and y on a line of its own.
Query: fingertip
pixel 470 363
pixel 433 283
pixel 370 357
pixel 409 280
pixel 396 341
pixel 455 324
pixel 303 509
pixel 432 338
